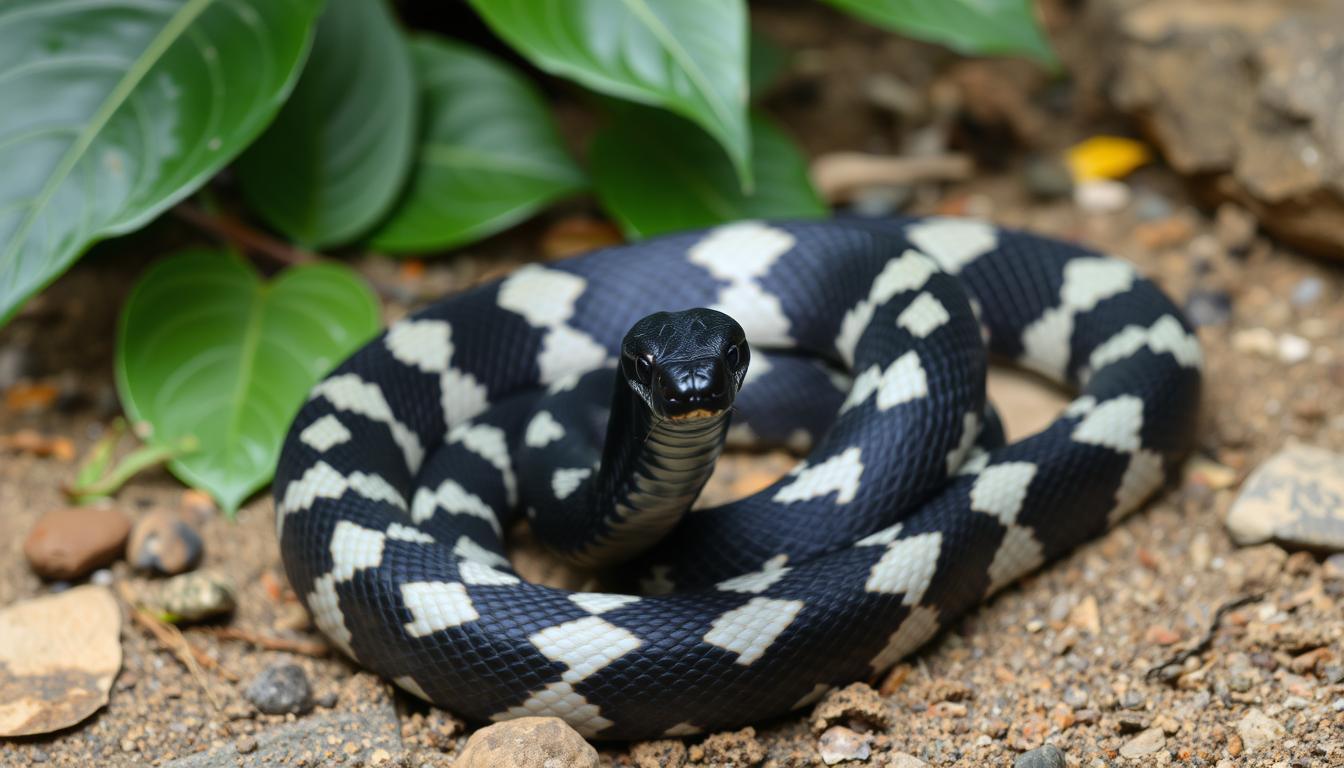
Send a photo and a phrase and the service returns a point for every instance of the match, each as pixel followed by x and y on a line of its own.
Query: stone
pixel 904 760
pixel 1295 498
pixel 733 748
pixel 58 657
pixel 355 736
pixel 1047 756
pixel 1047 177
pixel 280 689
pixel 162 542
pixel 1258 730
pixel 1101 195
pixel 194 596
pixel 856 701
pixel 839 744
pixel 528 742
pixel 1207 307
pixel 1146 743
pixel 70 543
pixel 661 753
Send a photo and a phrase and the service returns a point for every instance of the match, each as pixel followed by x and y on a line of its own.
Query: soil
pixel 1066 657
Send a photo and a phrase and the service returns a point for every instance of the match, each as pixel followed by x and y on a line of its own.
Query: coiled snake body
pixel 868 346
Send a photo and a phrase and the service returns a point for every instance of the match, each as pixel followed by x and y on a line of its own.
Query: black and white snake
pixel 868 347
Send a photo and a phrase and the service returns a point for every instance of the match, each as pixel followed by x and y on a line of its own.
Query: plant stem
pixel 242 236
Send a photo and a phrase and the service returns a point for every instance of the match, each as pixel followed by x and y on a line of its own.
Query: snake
pixel 589 398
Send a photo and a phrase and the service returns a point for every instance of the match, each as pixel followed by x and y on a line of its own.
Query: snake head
pixel 686 365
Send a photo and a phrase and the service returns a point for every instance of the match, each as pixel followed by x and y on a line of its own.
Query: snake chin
pixel 686 365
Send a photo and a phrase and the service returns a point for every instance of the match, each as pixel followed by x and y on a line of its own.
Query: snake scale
pixel 868 345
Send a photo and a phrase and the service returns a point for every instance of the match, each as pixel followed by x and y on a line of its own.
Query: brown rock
pixel 1145 743
pixel 733 748
pixel 663 753
pixel 528 742
pixel 73 542
pixel 1295 498
pixel 58 655
pixel 163 542
pixel 856 701
pixel 1258 730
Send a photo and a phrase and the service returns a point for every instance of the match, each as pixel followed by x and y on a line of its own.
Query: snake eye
pixel 643 370
pixel 733 356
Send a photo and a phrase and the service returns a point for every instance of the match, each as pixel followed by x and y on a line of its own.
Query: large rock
pixel 528 742
pixel 58 655
pixel 1295 498
pixel 1245 97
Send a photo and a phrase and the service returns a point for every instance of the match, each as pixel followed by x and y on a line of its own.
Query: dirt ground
pixel 1062 658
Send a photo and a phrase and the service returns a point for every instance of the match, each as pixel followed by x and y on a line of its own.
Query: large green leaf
pixel 489 154
pixel 335 159
pixel 969 26
pixel 689 56
pixel 112 110
pixel 206 349
pixel 655 172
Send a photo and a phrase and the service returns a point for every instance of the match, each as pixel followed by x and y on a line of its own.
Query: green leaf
pixel 993 27
pixel 689 56
pixel 655 173
pixel 489 154
pixel 767 62
pixel 114 110
pixel 335 159
pixel 206 350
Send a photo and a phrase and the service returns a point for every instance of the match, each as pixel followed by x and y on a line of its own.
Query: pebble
pixel 1255 341
pixel 1293 349
pixel 1307 291
pixel 245 745
pixel 1287 499
pixel 839 743
pixel 102 577
pixel 1258 730
pixel 1075 697
pixel 881 200
pixel 904 760
pixel 661 753
pixel 195 596
pixel 528 742
pixel 1150 206
pixel 1047 756
pixel 1234 227
pixel 1047 177
pixel 1208 308
pixel 69 543
pixel 1101 195
pixel 1145 743
pixel 280 689
pixel 162 542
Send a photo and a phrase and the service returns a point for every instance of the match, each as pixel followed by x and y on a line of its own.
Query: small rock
pixel 69 543
pixel 880 200
pixel 663 753
pixel 280 689
pixel 1293 498
pixel 1258 730
pixel 1145 743
pixel 245 744
pixel 1047 177
pixel 1101 195
pixel 904 760
pixel 733 748
pixel 1255 341
pixel 839 743
pixel 1047 756
pixel 1086 616
pixel 195 596
pixel 1307 291
pixel 1132 699
pixel 856 701
pixel 58 656
pixel 1293 349
pixel 528 742
pixel 1208 308
pixel 102 577
pixel 1075 697
pixel 1234 227
pixel 1150 206
pixel 162 542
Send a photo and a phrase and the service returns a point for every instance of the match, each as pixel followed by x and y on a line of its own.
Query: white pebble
pixel 1293 349
pixel 1101 195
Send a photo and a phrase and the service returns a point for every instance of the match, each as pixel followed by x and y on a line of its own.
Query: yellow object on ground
pixel 1106 157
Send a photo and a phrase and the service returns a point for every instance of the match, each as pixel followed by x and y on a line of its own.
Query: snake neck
pixel 652 470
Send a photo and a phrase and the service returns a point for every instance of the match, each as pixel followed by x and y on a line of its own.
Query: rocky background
pixel 1201 139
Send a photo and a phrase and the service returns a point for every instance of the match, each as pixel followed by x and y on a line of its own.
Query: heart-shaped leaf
pixel 489 154
pixel 337 155
pixel 208 350
pixel 655 173
pixel 113 110
pixel 968 26
pixel 689 56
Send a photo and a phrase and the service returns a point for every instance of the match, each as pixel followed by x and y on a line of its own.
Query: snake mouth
pixel 695 415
